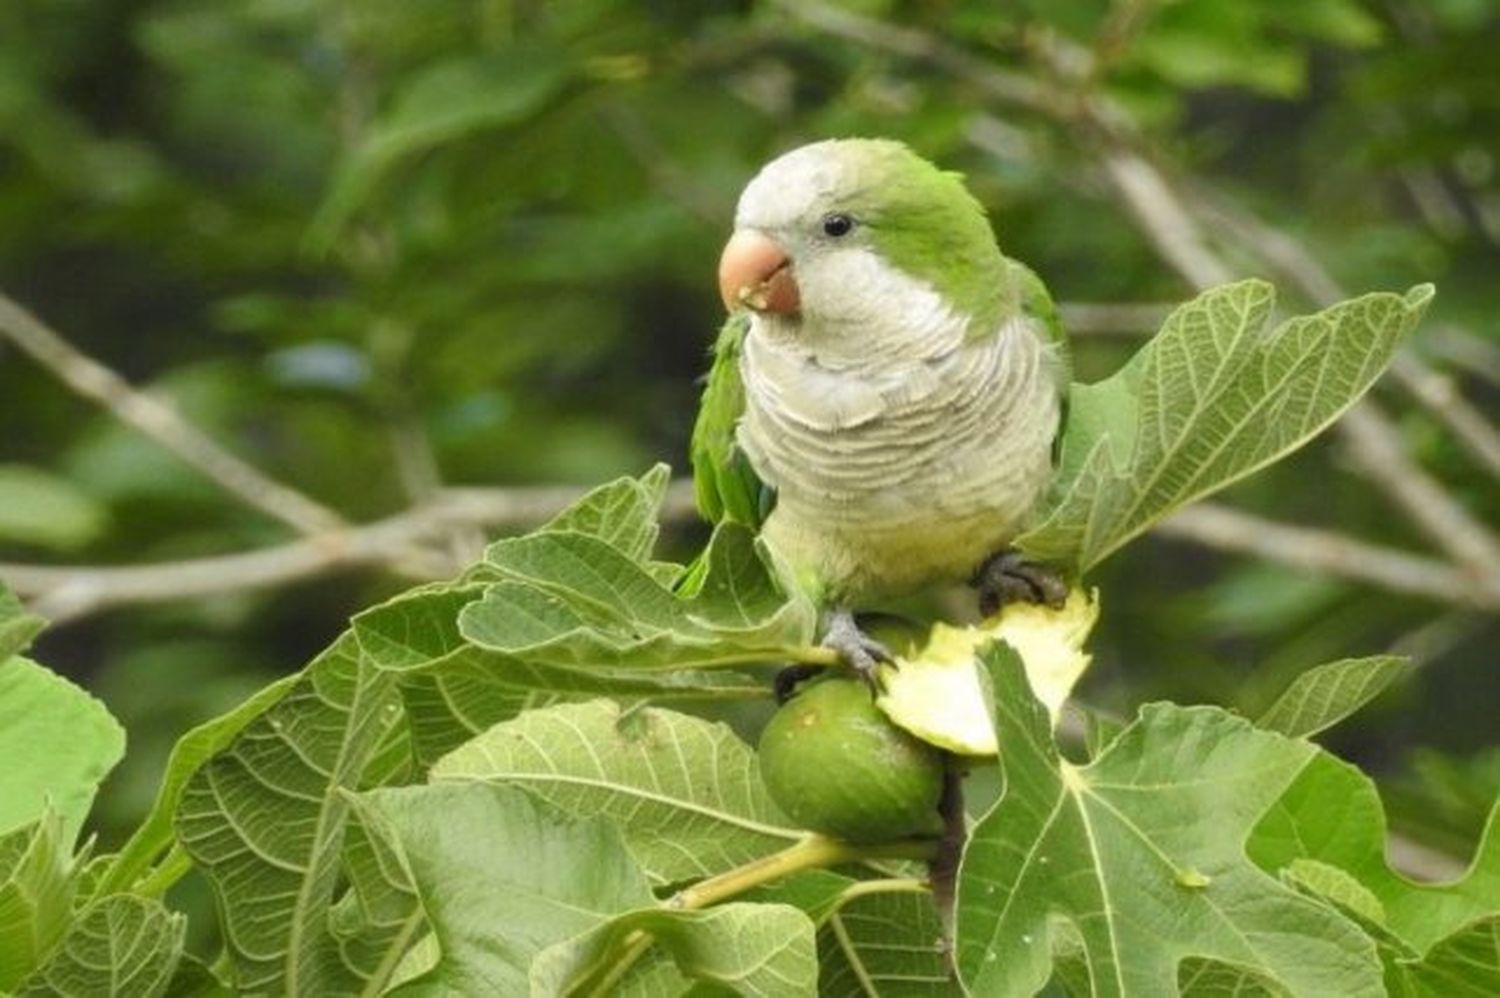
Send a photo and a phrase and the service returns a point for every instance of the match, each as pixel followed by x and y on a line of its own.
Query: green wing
pixel 727 488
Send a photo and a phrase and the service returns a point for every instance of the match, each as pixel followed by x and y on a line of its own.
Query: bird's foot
pixel 859 651
pixel 788 679
pixel 1007 577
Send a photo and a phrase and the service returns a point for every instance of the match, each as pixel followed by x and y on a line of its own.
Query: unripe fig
pixel 837 765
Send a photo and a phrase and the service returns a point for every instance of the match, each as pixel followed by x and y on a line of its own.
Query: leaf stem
pixel 809 852
pixel 812 852
pixel 887 885
pixel 171 869
pixel 813 655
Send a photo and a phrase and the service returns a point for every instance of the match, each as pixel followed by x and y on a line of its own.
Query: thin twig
pixel 1112 318
pixel 1376 447
pixel 161 422
pixel 400 541
pixel 66 593
pixel 1464 350
pixel 1168 224
pixel 1330 553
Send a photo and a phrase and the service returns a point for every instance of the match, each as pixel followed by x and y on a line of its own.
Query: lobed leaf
pixel 1332 814
pixel 266 820
pixel 153 837
pixel 685 793
pixel 1463 964
pixel 454 689
pixel 501 876
pixel 885 944
pixel 622 513
pixel 1142 851
pixel 573 600
pixel 1210 399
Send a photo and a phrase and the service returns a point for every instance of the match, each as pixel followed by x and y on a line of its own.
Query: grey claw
pixel 859 651
pixel 1009 578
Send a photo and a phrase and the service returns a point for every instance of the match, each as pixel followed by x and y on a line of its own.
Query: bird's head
pixel 834 234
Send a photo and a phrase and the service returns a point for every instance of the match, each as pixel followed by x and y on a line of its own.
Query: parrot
pixel 884 401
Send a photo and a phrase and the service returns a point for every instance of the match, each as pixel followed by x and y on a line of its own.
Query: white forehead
pixel 793 186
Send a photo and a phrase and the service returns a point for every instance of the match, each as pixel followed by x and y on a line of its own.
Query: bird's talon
pixel 1008 577
pixel 858 650
pixel 787 680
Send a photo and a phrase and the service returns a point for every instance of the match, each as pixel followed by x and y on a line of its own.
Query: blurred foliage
pixel 327 229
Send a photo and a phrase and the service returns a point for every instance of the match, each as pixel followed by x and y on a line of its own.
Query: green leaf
pixel 57 742
pixel 153 836
pixel 887 943
pixel 621 513
pixel 37 885
pixel 747 949
pixel 122 946
pixel 1323 696
pixel 502 876
pixel 452 99
pixel 1464 964
pixel 454 689
pixel 573 600
pixel 17 626
pixel 37 507
pixel 1212 398
pixel 1335 885
pixel 1142 850
pixel 1332 814
pixel 686 793
pixel 1199 978
pixel 818 893
pixel 194 979
pixel 266 820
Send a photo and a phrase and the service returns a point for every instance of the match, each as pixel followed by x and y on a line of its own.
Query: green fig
pixel 837 765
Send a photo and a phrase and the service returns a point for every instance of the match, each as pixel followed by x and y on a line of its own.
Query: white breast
pixel 904 462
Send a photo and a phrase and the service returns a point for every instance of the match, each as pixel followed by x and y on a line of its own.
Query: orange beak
pixel 756 273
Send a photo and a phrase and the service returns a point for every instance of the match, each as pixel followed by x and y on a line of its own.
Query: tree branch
pixel 1330 553
pixel 1112 318
pixel 403 541
pixel 159 421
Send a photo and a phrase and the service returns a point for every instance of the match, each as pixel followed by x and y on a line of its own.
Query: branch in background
pixel 1292 261
pixel 1111 318
pixel 1166 221
pixel 1464 350
pixel 66 593
pixel 159 421
pixel 405 541
pixel 1329 553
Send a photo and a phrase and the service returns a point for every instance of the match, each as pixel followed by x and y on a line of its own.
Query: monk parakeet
pixel 885 396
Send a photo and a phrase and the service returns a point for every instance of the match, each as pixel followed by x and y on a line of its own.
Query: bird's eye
pixel 837 224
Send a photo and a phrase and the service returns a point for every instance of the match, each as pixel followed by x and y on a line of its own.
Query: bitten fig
pixel 837 765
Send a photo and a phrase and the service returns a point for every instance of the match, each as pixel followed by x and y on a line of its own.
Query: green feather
pixel 925 222
pixel 725 485
pixel 1037 306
